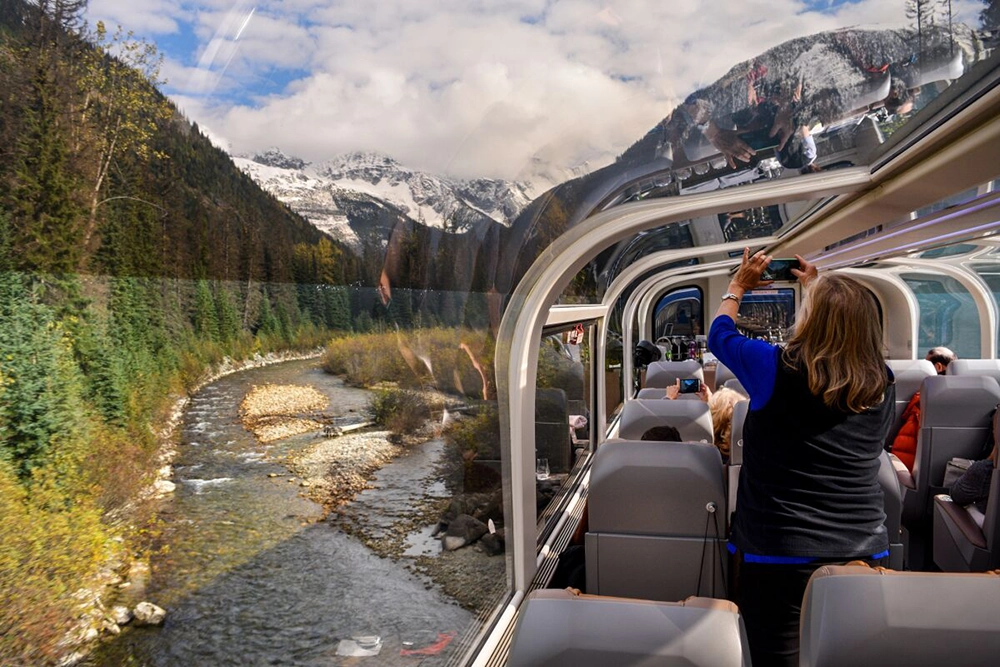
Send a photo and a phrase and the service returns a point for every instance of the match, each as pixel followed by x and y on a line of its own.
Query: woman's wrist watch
pixel 730 295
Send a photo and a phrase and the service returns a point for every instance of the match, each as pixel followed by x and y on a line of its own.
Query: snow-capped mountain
pixel 345 195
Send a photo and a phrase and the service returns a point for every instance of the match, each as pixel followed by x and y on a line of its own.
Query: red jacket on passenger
pixel 905 444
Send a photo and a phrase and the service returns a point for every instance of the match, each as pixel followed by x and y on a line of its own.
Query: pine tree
pixel 267 323
pixel 228 316
pixel 206 321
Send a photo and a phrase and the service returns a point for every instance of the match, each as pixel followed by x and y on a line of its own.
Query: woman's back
pixel 809 483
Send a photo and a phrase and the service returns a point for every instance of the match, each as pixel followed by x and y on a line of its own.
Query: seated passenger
pixel 720 404
pixel 662 433
pixel 973 487
pixel 904 447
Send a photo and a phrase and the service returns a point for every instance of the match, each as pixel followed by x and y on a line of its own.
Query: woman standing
pixel 820 410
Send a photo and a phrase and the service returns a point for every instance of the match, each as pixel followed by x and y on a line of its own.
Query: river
pixel 250 575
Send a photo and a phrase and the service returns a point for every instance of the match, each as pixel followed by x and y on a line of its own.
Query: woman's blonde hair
pixel 838 343
pixel 721 405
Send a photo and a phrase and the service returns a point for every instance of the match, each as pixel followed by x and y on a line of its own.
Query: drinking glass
pixel 541 468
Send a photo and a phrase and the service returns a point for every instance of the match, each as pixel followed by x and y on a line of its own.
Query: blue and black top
pixel 809 483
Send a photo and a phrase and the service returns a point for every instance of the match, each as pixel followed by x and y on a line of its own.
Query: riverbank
pixel 126 559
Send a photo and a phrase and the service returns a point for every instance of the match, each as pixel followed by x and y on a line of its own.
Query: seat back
pixel 722 375
pixel 960 544
pixel 736 385
pixel 910 374
pixel 663 373
pixel 892 495
pixel 692 418
pixel 557 628
pixel 988 367
pixel 956 413
pixel 656 522
pixel 735 456
pixel 854 615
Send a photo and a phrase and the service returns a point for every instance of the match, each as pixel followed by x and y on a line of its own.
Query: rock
pixel 463 530
pixel 120 614
pixel 110 627
pixel 147 613
pixel 272 474
pixel 493 543
pixel 164 486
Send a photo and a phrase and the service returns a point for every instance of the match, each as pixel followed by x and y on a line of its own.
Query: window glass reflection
pixel 562 416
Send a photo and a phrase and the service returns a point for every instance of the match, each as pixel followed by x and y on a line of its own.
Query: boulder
pixel 463 530
pixel 164 486
pixel 493 543
pixel 120 614
pixel 147 613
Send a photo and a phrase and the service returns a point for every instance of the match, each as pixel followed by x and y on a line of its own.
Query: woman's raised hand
pixel 807 273
pixel 748 275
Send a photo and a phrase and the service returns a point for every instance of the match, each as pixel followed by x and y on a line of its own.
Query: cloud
pixel 469 87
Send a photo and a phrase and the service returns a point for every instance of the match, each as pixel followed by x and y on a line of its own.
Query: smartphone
pixel 781 270
pixel 690 386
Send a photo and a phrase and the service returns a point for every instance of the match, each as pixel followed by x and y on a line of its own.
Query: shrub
pixel 49 547
pixel 402 411
pixel 441 358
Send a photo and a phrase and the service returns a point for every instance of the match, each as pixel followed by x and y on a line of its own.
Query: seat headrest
pixel 740 411
pixel 692 418
pixel 988 367
pixel 958 400
pixel 663 373
pixel 909 374
pixel 722 373
pixel 856 615
pixel 555 627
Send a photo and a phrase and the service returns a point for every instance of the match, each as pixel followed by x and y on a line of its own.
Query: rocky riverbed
pixel 387 510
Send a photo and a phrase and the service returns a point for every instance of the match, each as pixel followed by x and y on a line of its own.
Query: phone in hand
pixel 690 386
pixel 780 270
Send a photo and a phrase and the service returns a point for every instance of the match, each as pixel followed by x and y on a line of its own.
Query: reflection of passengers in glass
pixel 804 83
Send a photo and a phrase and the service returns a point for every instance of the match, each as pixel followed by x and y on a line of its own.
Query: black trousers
pixel 770 600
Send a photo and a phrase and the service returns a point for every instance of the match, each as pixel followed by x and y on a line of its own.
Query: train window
pixel 990 274
pixel 679 313
pixel 767 313
pixel 562 416
pixel 947 314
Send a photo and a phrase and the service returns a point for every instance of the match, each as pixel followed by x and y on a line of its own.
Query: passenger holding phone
pixel 820 410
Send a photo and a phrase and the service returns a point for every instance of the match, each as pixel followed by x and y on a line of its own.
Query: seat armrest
pixel 960 517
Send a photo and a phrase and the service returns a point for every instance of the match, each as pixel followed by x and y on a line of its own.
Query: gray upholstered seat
pixel 656 522
pixel 988 367
pixel 910 374
pixel 663 373
pixel 557 628
pixel 722 374
pixel 735 454
pixel 691 418
pixel 736 385
pixel 955 419
pixel 853 615
pixel 960 545
pixel 659 393
pixel 892 495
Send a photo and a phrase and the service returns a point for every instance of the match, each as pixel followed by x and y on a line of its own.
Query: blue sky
pixel 468 87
